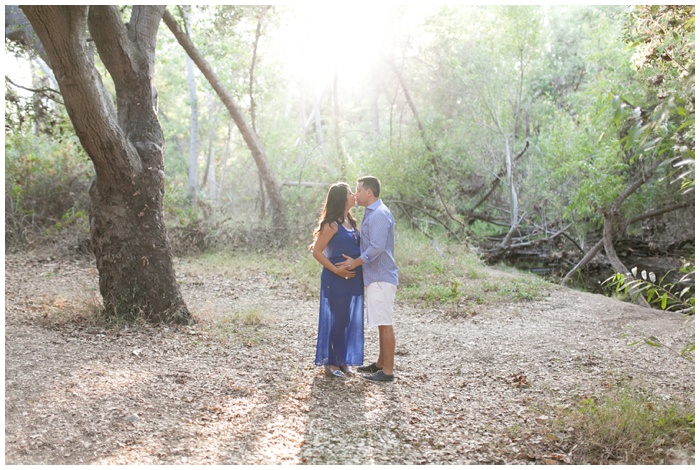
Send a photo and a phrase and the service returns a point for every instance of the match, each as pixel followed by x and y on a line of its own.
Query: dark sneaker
pixel 372 368
pixel 379 376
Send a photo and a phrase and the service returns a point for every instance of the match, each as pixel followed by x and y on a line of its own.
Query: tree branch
pixel 63 32
pixel 46 91
pixel 584 261
pixel 248 134
pixel 657 212
pixel 495 182
pixel 426 213
pixel 608 235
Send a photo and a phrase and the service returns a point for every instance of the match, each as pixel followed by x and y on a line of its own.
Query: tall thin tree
pixel 278 213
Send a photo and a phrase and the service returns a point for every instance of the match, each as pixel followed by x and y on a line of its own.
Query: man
pixel 381 275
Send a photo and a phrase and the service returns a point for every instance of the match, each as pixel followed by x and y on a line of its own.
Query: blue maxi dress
pixel 341 312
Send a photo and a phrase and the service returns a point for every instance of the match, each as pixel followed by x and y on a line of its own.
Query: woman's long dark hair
pixel 334 207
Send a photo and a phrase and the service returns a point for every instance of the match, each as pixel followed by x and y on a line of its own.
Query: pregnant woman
pixel 340 342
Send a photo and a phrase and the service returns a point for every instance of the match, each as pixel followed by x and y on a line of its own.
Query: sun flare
pixel 331 38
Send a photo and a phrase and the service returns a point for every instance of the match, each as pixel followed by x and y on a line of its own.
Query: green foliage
pixel 664 132
pixel 678 296
pixel 589 87
pixel 663 38
pixel 46 184
pixel 672 296
pixel 627 427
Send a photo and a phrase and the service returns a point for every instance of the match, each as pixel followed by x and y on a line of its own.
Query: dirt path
pixel 249 394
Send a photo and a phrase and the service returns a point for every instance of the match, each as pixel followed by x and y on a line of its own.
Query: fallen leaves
pixel 80 393
pixel 519 380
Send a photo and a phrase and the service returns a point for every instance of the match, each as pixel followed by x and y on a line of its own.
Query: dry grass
pixel 626 427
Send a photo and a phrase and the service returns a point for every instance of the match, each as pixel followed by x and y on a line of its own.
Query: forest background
pixel 559 139
pixel 510 129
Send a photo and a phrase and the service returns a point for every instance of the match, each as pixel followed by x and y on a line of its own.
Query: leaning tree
pixel 125 143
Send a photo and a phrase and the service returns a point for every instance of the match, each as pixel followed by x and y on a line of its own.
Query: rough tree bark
pixel 125 144
pixel 277 210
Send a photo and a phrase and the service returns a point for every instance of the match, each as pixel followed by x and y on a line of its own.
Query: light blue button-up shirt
pixel 377 245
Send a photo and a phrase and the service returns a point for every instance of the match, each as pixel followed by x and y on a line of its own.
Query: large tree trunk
pixel 127 224
pixel 278 214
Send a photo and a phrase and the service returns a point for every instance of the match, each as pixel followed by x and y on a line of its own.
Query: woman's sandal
pixel 334 373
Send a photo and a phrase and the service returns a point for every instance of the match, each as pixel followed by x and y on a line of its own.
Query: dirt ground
pixel 478 390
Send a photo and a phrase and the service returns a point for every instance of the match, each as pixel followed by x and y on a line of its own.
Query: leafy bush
pixel 673 296
pixel 46 188
pixel 676 296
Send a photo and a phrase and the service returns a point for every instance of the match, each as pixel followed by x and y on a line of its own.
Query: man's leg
pixel 387 346
pixel 380 302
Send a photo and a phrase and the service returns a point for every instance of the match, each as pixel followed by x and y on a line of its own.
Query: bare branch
pixel 46 91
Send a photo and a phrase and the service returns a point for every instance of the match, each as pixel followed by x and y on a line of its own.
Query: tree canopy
pixel 498 125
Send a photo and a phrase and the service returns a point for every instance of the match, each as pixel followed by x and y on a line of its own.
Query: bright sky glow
pixel 19 72
pixel 346 37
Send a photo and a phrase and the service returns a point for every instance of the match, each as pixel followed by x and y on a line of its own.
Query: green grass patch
pixel 438 272
pixel 625 427
pixel 442 272
pixel 246 326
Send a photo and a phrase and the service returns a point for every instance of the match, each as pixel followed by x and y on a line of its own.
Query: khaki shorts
pixel 380 303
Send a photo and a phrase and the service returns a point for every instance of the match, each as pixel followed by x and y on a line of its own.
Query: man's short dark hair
pixel 370 182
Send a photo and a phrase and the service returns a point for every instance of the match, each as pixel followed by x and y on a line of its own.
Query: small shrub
pixel 674 296
pixel 46 188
